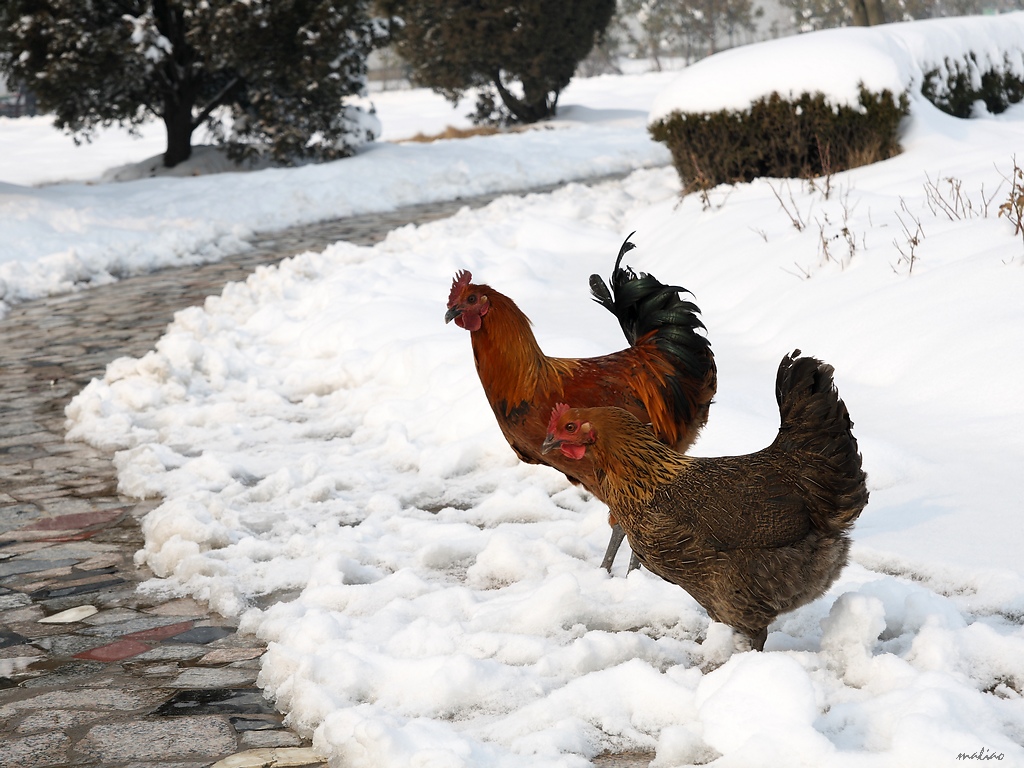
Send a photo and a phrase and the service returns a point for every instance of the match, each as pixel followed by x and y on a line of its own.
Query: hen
pixel 666 377
pixel 749 537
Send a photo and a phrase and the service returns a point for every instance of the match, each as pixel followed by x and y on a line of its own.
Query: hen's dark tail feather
pixel 817 431
pixel 643 304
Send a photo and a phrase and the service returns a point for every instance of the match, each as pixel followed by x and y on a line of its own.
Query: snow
pixel 62 237
pixel 332 473
pixel 893 57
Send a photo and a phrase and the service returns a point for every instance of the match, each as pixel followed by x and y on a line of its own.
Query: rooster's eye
pixel 570 427
pixel 471 299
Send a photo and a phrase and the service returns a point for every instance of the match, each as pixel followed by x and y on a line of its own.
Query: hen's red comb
pixel 462 278
pixel 556 414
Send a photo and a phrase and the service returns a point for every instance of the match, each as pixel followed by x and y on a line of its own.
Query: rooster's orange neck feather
pixel 511 364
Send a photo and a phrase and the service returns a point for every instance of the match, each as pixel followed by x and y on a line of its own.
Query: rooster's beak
pixel 551 443
pixel 451 314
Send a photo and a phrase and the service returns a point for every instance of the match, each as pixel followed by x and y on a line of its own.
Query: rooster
pixel 666 377
pixel 749 537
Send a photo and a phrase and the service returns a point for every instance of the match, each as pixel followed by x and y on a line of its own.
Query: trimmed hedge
pixel 777 138
pixel 952 88
pixel 808 137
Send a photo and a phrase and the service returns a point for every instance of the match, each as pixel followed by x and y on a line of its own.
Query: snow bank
pixel 332 473
pixel 837 62
pixel 67 237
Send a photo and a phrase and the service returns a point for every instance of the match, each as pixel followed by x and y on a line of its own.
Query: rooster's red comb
pixel 462 278
pixel 556 414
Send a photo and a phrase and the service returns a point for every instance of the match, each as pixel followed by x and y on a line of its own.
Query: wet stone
pixel 64 675
pixel 217 677
pixel 170 653
pixel 242 701
pixel 13 600
pixel 119 651
pixel 104 561
pixel 161 632
pixel 35 751
pixel 182 606
pixel 35 630
pixel 54 720
pixel 279 757
pixel 98 699
pixel 113 616
pixel 105 598
pixel 76 521
pixel 262 739
pixel 70 616
pixel 228 655
pixel 17 566
pixel 79 589
pixel 72 577
pixel 16 516
pixel 72 549
pixel 261 723
pixel 18 652
pixel 202 635
pixel 158 670
pixel 130 626
pixel 159 739
pixel 7 637
pixel 66 646
pixel 27 613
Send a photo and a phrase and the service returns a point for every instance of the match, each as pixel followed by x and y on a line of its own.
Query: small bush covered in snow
pixel 778 137
pixel 832 100
pixel 957 86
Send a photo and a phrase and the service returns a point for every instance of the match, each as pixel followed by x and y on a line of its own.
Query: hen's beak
pixel 551 443
pixel 451 314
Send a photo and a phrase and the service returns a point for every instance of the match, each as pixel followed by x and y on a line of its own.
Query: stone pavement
pixel 91 672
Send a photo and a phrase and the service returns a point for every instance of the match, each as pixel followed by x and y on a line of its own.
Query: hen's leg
pixel 613 547
pixel 744 642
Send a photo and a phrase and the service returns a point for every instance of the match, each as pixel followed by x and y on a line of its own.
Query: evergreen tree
pixel 261 74
pixel 718 21
pixel 657 28
pixel 812 15
pixel 519 55
pixel 687 28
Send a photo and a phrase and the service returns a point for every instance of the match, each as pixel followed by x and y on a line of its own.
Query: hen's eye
pixel 570 427
pixel 471 299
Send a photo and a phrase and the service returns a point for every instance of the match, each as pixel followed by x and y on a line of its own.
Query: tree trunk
pixel 867 13
pixel 876 12
pixel 859 13
pixel 525 110
pixel 179 90
pixel 178 121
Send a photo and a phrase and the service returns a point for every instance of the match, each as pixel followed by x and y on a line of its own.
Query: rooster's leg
pixel 634 562
pixel 613 547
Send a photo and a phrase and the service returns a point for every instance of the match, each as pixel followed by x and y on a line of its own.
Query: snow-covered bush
pixel 833 99
pixel 957 86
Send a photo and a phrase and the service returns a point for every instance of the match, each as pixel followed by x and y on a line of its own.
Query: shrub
pixel 776 137
pixel 956 86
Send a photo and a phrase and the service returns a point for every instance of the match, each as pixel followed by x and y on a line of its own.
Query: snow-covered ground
pixel 61 237
pixel 332 473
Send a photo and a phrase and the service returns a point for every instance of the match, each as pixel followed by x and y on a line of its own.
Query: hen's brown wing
pixel 736 502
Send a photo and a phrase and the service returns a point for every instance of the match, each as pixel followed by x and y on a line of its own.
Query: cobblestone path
pixel 91 673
